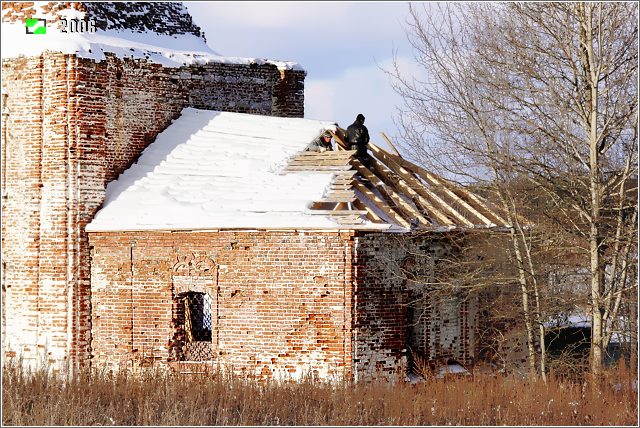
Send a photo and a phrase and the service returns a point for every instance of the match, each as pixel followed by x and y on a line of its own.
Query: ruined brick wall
pixel 244 88
pixel 383 295
pixel 282 299
pixel 37 254
pixel 288 94
pixel 160 17
pixel 70 126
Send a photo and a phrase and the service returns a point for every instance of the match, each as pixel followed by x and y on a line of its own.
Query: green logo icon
pixel 36 26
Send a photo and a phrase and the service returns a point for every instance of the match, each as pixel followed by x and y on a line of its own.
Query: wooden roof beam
pixel 448 188
pixel 340 143
pixel 416 190
pixel 403 207
pixel 370 213
pixel 381 204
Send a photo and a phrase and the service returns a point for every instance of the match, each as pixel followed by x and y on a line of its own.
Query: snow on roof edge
pixel 169 51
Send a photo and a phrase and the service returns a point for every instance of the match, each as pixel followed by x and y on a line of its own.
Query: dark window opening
pixel 195 312
pixel 417 333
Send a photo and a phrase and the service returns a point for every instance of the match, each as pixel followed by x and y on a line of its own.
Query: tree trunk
pixel 595 240
pixel 531 345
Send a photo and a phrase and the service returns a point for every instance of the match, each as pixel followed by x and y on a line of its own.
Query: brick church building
pixel 160 207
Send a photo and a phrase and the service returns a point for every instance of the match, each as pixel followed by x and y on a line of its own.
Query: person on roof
pixel 357 138
pixel 322 143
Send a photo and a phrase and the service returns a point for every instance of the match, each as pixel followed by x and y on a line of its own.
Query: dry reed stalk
pixel 161 399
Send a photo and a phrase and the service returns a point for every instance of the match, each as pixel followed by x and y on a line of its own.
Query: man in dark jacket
pixel 322 143
pixel 357 138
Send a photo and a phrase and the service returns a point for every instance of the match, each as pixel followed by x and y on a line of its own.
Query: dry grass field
pixel 156 399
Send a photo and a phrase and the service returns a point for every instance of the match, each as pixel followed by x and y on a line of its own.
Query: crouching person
pixel 322 143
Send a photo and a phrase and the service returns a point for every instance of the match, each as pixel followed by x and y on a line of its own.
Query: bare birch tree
pixel 543 92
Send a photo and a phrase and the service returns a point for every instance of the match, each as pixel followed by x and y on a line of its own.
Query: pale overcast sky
pixel 341 45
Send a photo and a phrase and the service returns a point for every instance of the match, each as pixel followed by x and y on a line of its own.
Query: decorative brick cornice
pixel 190 264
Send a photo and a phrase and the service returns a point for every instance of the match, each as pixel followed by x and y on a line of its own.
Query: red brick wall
pixel 286 302
pixel 35 218
pixel 70 126
pixel 381 301
pixel 283 299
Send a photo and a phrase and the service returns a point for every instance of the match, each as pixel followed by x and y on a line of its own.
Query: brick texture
pixel 282 300
pixel 286 304
pixel 383 296
pixel 70 126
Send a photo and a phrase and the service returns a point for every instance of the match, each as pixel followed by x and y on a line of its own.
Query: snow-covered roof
pixel 169 50
pixel 220 170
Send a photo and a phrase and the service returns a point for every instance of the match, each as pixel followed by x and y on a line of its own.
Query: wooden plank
pixel 336 199
pixel 339 156
pixel 382 205
pixel 345 223
pixel 320 160
pixel 442 184
pixel 317 168
pixel 388 140
pixel 337 212
pixel 350 219
pixel 317 164
pixel 429 199
pixel 410 211
pixel 370 213
pixel 402 186
pixel 326 155
pixel 348 191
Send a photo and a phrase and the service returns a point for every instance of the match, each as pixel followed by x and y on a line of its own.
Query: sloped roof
pixel 217 170
pixel 395 191
pixel 211 170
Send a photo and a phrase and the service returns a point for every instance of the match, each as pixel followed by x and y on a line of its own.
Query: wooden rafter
pixel 444 211
pixel 451 190
pixel 338 212
pixel 405 193
pixel 338 137
pixel 406 185
pixel 370 213
pixel 388 140
pixel 404 208
pixel 381 204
